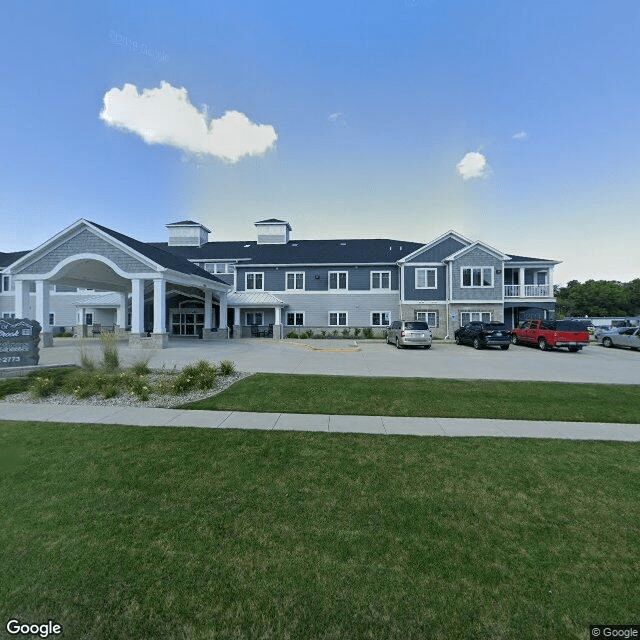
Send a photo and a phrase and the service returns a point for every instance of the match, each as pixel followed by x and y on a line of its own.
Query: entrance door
pixel 187 322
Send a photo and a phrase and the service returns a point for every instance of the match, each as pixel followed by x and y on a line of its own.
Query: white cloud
pixel 473 165
pixel 166 116
pixel 521 135
pixel 337 118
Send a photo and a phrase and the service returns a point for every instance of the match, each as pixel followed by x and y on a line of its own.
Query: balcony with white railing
pixel 527 291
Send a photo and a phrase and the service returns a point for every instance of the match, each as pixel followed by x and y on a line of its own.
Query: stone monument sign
pixel 19 342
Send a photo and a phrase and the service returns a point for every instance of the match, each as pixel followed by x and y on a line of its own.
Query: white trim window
pixel 254 281
pixel 380 318
pixel 426 278
pixel 222 267
pixel 254 318
pixel 338 318
pixel 6 283
pixel 295 280
pixel 338 280
pixel 476 277
pixel 474 316
pixel 8 316
pixel 295 318
pixel 430 317
pixel 380 280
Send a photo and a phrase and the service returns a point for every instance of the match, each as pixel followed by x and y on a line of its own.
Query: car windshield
pixel 416 326
pixel 495 326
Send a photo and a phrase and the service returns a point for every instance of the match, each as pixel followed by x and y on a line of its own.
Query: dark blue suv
pixel 484 334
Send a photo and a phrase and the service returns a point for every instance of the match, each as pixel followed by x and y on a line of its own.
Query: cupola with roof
pixel 187 233
pixel 273 231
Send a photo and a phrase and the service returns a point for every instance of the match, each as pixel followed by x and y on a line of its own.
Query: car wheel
pixel 514 339
pixel 607 342
pixel 398 345
pixel 458 341
pixel 504 347
pixel 476 344
pixel 574 349
pixel 427 346
pixel 542 344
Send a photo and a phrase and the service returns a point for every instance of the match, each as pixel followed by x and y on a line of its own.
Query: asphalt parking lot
pixel 342 357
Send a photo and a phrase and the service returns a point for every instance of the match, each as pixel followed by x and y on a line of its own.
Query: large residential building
pixel 90 276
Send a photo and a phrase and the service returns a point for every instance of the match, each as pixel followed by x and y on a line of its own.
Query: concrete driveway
pixel 340 357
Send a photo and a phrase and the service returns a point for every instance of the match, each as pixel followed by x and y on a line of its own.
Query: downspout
pixel 448 298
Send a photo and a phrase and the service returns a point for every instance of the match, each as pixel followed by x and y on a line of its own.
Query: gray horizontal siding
pixel 477 258
pixel 358 279
pixel 410 291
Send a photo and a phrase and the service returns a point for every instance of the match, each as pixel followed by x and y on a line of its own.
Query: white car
pixel 620 337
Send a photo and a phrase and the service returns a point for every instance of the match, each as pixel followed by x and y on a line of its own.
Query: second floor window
pixel 426 279
pixel 254 281
pixel 6 283
pixel 295 280
pixel 477 277
pixel 337 280
pixel 381 279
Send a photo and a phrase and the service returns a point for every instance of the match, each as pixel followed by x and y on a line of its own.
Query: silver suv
pixel 409 333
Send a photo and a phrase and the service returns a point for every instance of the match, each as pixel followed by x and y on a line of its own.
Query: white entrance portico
pixel 90 256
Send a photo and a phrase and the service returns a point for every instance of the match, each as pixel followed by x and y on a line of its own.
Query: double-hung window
pixel 474 316
pixel 295 318
pixel 6 283
pixel 379 318
pixel 430 317
pixel 337 318
pixel 254 281
pixel 52 319
pixel 426 278
pixel 477 277
pixel 337 280
pixel 295 280
pixel 381 279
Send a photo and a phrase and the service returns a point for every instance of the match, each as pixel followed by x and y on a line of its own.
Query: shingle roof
pixel 525 259
pixel 159 255
pixel 271 220
pixel 183 223
pixel 298 251
pixel 9 258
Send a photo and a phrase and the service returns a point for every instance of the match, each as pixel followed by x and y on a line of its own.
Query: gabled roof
pixel 525 259
pixel 159 255
pixel 183 223
pixel 300 252
pixel 482 245
pixel 7 259
pixel 425 247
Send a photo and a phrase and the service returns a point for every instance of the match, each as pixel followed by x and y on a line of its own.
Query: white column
pixel 159 305
pixel 550 280
pixel 223 310
pixel 236 316
pixel 121 312
pixel 521 281
pixel 278 314
pixel 208 298
pixel 137 306
pixel 42 305
pixel 22 302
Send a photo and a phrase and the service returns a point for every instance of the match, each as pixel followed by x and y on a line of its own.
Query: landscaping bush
pixel 345 333
pixel 227 368
pixel 201 375
pixel 292 334
pixel 367 332
pixel 110 357
pixel 42 386
pixel 356 332
pixel 141 367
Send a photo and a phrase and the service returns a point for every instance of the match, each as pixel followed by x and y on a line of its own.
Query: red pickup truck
pixel 551 334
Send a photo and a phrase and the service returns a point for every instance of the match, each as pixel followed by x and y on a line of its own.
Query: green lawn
pixel 160 533
pixel 285 393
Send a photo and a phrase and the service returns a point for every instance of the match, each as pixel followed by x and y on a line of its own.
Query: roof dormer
pixel 273 231
pixel 187 233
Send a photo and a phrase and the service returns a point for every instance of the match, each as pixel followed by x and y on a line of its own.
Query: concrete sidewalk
pixel 381 425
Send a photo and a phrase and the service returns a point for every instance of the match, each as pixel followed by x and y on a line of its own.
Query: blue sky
pixel 515 123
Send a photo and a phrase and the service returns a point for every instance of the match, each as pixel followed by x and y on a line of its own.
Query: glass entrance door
pixel 187 322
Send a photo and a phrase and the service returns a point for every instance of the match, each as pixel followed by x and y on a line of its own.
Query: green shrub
pixel 345 333
pixel 227 368
pixel 292 334
pixel 42 386
pixel 110 356
pixel 201 375
pixel 334 333
pixel 86 361
pixel 367 332
pixel 323 333
pixel 356 332
pixel 141 367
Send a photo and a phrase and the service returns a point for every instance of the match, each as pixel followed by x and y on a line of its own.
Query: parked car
pixel 620 337
pixel 552 334
pixel 484 334
pixel 405 333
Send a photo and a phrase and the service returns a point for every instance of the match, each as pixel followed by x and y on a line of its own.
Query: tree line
pixel 598 298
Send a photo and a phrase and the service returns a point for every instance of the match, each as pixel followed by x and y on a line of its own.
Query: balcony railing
pixel 530 291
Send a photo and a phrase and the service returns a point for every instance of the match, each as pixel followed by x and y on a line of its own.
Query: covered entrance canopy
pixel 91 256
